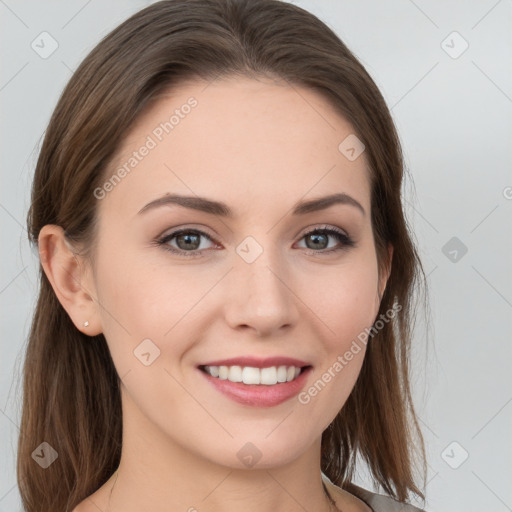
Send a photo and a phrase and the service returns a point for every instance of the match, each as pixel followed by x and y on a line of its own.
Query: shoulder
pixel 381 503
pixel 93 503
pixel 87 506
pixel 84 506
pixel 368 501
pixel 98 500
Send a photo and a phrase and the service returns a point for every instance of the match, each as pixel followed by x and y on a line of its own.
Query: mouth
pixel 255 382
pixel 250 375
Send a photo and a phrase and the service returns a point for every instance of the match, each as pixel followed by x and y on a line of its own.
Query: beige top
pixel 379 502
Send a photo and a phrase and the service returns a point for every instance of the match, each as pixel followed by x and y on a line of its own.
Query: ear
pixel 386 273
pixel 70 281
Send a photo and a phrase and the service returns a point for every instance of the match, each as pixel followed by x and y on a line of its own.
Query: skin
pixel 259 146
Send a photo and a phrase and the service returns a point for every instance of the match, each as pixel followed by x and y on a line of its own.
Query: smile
pixel 257 387
pixel 249 375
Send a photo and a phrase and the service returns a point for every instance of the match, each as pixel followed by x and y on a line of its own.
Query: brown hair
pixel 71 396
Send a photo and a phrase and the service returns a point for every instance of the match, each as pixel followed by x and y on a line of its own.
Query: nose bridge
pixel 261 297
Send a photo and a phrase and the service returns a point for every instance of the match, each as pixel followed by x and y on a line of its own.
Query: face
pixel 179 288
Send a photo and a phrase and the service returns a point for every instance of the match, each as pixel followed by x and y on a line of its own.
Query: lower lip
pixel 259 395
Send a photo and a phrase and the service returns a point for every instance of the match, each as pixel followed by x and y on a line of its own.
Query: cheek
pixel 140 305
pixel 356 304
pixel 347 308
pixel 145 299
pixel 344 299
pixel 137 302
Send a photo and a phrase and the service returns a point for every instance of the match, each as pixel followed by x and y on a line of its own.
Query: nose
pixel 261 296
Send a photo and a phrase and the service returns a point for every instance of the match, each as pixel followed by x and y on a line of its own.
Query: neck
pixel 158 474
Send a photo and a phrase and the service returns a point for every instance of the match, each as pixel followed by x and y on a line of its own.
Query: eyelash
pixel 346 241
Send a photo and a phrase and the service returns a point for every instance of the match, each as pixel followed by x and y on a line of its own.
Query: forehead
pixel 244 141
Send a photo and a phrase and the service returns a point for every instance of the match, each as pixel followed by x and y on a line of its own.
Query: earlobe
pixel 68 279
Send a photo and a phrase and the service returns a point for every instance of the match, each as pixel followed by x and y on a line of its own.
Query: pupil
pixel 315 237
pixel 187 238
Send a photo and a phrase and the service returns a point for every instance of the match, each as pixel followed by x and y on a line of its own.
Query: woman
pixel 226 274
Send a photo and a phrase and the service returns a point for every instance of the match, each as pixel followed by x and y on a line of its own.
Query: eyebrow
pixel 221 209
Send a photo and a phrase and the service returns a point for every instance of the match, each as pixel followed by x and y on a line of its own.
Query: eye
pixel 319 237
pixel 188 241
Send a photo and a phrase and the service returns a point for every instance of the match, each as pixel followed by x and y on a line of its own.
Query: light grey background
pixel 454 119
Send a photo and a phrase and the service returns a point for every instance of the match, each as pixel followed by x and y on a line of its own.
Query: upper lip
pixel 258 362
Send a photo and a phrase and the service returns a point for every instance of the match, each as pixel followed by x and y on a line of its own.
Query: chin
pixel 261 451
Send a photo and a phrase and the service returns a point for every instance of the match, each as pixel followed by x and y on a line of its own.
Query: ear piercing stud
pixel 86 323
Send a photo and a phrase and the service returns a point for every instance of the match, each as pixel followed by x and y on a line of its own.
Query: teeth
pixel 235 373
pixel 223 372
pixel 281 374
pixel 249 375
pixel 269 376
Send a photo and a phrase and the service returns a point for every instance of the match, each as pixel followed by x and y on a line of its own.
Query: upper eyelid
pixel 194 227
pixel 178 229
